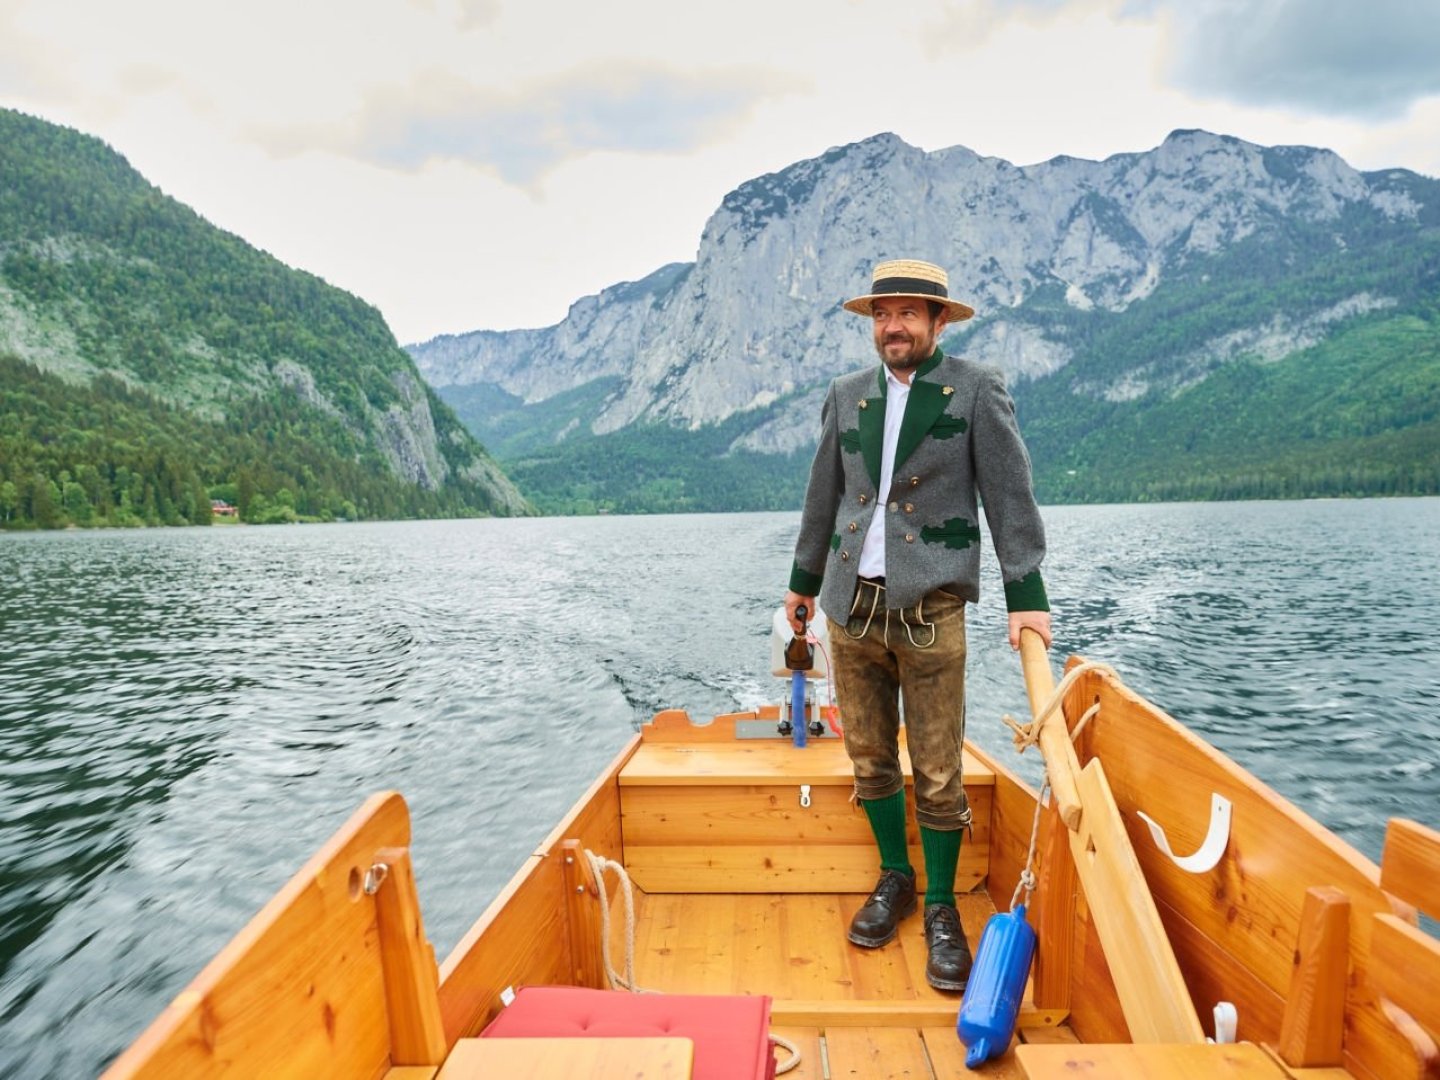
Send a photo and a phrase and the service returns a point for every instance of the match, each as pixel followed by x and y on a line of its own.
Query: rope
pixel 1028 735
pixel 598 866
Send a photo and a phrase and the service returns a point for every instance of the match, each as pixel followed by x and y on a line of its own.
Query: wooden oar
pixel 1147 977
pixel 1062 764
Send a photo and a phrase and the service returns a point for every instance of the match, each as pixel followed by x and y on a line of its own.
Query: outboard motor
pixel 792 656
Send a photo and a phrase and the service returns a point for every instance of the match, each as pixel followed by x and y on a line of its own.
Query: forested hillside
pixel 150 357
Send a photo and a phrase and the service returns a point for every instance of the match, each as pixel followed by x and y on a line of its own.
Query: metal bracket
pixel 1216 838
pixel 375 877
pixel 805 795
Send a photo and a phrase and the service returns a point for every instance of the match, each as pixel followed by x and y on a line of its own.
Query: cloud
pixel 466 14
pixel 1368 61
pixel 23 70
pixel 521 135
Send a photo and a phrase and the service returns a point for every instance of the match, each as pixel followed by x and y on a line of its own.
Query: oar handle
pixel 1061 764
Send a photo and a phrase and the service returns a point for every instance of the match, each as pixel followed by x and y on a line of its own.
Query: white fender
pixel 1216 838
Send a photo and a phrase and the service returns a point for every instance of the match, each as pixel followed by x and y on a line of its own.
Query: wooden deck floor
pixel 853 1012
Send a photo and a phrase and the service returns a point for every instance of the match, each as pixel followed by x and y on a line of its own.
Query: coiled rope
pixel 598 866
pixel 1028 735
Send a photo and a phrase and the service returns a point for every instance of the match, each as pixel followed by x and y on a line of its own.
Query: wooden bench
pixel 727 815
pixel 668 1058
pixel 1154 1061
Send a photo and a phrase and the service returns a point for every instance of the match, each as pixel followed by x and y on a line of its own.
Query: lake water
pixel 188 714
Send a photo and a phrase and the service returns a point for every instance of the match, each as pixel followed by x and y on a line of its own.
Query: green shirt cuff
pixel 804 582
pixel 1027 594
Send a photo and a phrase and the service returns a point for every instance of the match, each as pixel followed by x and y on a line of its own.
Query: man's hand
pixel 1039 621
pixel 792 601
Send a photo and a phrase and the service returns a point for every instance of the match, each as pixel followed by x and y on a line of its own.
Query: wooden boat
pixel 748 859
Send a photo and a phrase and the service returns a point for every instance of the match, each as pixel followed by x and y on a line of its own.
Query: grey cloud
pixel 1369 60
pixel 521 136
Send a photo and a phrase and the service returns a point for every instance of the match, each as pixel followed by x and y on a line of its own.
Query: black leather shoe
pixel 948 967
pixel 893 899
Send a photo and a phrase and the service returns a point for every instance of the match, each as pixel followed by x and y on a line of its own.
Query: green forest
pixel 157 362
pixel 108 454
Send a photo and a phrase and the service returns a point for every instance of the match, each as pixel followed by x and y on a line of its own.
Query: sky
pixel 482 164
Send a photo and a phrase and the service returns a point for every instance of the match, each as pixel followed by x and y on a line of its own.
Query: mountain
pixel 150 362
pixel 1210 318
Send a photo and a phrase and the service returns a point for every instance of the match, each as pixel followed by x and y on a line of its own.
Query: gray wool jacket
pixel 958 439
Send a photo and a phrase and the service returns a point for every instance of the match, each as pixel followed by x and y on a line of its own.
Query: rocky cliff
pixel 1083 273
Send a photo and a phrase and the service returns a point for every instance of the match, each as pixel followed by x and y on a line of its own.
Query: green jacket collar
pixel 923 406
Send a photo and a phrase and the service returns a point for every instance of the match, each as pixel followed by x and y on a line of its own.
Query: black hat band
pixel 909 285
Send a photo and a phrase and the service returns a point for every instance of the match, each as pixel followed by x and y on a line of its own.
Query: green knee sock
pixel 887 822
pixel 942 853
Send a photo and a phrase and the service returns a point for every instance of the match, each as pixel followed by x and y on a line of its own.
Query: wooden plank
pixel 811 941
pixel 1410 864
pixel 750 762
pixel 582 917
pixel 417 1034
pixel 1424 1052
pixel 935 1011
pixel 742 814
pixel 1405 964
pixel 807 1041
pixel 1053 913
pixel 1095 1012
pixel 793 868
pixel 1221 978
pixel 1187 1061
pixel 1059 1033
pixel 1142 963
pixel 660 1057
pixel 299 991
pixel 1314 1023
pixel 947 1057
pixel 876 1054
pixel 411 1072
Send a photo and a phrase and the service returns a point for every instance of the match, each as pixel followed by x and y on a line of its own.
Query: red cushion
pixel 731 1034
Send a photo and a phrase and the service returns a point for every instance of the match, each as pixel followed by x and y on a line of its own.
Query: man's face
pixel 905 332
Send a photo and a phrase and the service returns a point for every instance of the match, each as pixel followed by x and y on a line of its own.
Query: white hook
pixel 1216 838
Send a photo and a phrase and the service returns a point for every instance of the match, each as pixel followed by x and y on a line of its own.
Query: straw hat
pixel 910 277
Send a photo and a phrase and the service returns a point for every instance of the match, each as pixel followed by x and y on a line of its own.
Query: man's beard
pixel 908 361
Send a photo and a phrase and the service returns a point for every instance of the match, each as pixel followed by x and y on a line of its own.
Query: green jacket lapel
pixel 927 401
pixel 872 432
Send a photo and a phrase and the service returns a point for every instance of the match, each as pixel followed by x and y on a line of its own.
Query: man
pixel 889 541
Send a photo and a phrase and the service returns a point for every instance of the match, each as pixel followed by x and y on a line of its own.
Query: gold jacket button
pixel 853 526
pixel 914 481
pixel 909 508
pixel 864 499
pixel 909 538
pixel 894 506
pixel 844 556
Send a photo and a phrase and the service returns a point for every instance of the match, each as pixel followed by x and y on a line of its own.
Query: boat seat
pixel 731 1034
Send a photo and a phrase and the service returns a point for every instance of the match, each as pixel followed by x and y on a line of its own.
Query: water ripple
pixel 189 713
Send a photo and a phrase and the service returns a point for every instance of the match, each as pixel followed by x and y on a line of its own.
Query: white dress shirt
pixel 872 552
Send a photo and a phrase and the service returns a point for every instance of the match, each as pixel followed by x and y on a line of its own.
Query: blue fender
pixel 996 987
